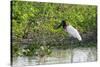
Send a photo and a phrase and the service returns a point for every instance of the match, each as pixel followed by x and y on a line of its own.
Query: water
pixel 59 56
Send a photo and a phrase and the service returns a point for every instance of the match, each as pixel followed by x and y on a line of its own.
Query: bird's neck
pixel 64 26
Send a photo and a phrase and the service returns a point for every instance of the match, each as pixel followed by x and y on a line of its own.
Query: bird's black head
pixel 63 24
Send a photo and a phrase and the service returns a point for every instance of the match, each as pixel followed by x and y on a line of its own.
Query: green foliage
pixel 38 21
pixel 16 50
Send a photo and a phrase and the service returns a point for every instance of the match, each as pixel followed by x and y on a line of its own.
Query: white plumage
pixel 73 32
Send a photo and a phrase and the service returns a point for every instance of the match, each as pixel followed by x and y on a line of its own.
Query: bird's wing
pixel 73 32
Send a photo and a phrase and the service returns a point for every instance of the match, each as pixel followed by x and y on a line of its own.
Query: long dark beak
pixel 59 25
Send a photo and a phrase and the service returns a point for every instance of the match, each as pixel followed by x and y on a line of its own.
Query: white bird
pixel 71 30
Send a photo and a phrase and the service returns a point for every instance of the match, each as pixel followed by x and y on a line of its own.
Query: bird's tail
pixel 79 38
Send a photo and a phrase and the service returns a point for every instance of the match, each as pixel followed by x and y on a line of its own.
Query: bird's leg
pixel 71 48
pixel 79 43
